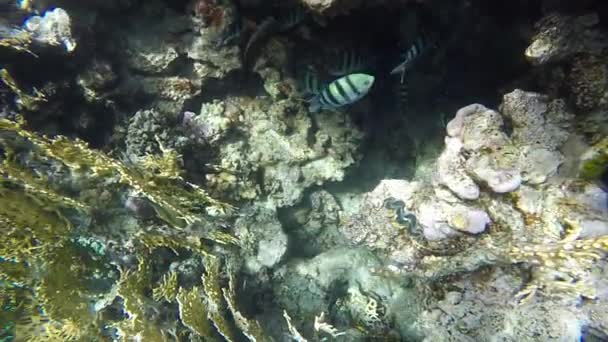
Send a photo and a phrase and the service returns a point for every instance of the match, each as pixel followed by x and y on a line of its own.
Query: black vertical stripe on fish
pixel 311 84
pixel 416 49
pixel 354 94
pixel 343 92
pixel 329 99
pixel 343 62
pixel 332 89
pixel 352 86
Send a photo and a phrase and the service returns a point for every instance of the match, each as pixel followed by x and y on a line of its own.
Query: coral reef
pixel 559 37
pixel 54 28
pixel 558 230
pixel 164 179
pixel 278 151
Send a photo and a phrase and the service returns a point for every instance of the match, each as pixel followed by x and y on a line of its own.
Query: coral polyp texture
pixel 306 170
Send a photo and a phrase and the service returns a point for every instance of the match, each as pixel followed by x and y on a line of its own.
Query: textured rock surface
pixel 312 229
pixel 53 28
pixel 478 150
pixel 560 36
pixel 281 149
pixel 477 313
pixel 262 237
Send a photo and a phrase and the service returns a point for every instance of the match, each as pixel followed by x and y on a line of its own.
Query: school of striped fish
pixel 342 75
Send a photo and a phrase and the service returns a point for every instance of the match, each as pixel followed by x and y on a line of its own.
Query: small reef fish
pixel 343 91
pixel 420 45
pixel 311 82
pixel 344 62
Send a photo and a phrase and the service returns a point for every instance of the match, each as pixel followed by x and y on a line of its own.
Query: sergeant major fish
pixel 420 45
pixel 343 91
pixel 311 82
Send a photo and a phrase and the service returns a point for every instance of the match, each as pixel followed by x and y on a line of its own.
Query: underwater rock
pixel 212 59
pixel 433 219
pixel 169 93
pixel 282 150
pixel 479 152
pixel 477 127
pixel 469 220
pixel 210 125
pixel 450 171
pixel 560 36
pixel 272 65
pixel 308 287
pixel 478 312
pixel 336 7
pixel 97 79
pixel 262 238
pixel 376 226
pixel 442 220
pixel 150 44
pixel 536 120
pixel 140 207
pixel 588 82
pixel 486 169
pixel 53 28
pixel 545 164
pixel 147 134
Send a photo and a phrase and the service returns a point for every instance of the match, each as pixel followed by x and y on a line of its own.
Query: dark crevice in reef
pixel 478 52
pixel 236 83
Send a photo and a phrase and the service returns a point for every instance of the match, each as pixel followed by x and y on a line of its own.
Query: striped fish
pixel 311 82
pixel 343 91
pixel 420 45
pixel 343 62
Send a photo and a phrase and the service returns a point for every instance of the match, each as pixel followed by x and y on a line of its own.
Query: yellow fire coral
pixel 38 253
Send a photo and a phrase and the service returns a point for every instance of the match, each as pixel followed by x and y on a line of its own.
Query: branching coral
pixel 167 288
pixel 216 305
pixel 250 328
pixel 20 41
pixel 24 99
pixel 193 312
pixel 561 268
pixel 177 202
pixel 131 287
pixel 38 253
